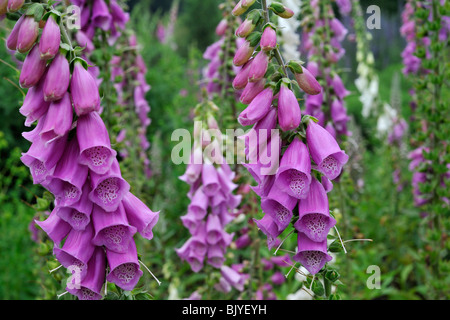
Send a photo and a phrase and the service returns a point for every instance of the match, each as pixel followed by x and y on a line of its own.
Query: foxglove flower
pixel 289 114
pixel 55 227
pixel 33 68
pixel 27 35
pixel 294 173
pixel 279 205
pixel 84 91
pixel 58 120
pixel 308 82
pixel 139 215
pixel 11 41
pixel 57 79
pixel 95 146
pixel 257 109
pixel 124 267
pixel 50 39
pixel 311 254
pixel 15 5
pixel 268 39
pixel 325 151
pixel 77 215
pixel 259 67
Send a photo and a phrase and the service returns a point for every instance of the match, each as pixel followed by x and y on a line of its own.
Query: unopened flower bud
pixel 241 7
pixel 305 79
pixel 268 39
pixel 249 24
pixel 281 10
pixel 11 42
pixel 57 79
pixel 259 67
pixel 14 5
pixel 33 68
pixel 50 39
pixel 28 33
pixel 289 115
pixel 84 90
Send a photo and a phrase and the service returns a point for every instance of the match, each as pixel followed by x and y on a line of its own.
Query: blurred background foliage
pixel 373 210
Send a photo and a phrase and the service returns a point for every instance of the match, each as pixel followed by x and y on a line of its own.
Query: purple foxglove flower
pixel 313 103
pixel 91 285
pixel 280 10
pixel 268 226
pixel 125 271
pixel 213 229
pixel 216 256
pixel 139 215
pixel 308 82
pixel 311 254
pixel 232 277
pixel 338 87
pixel 190 222
pixel 42 158
pixel 289 114
pixel 34 106
pixel 251 90
pixel 100 17
pixel 241 79
pixel 245 28
pixel 95 146
pixel 69 176
pixel 257 109
pixel 58 119
pixel 268 39
pixel 78 215
pixel 84 41
pixel 50 39
pixel 327 184
pixel 119 16
pixel 279 206
pixel 77 250
pixel 33 68
pixel 84 91
pixel 112 229
pixel 243 241
pixel 278 278
pixel 55 228
pixel 338 29
pixel 34 134
pixel 15 5
pixel 11 41
pixel 222 286
pixel 108 189
pixel 243 54
pixel 210 180
pixel 57 79
pixel 325 151
pixel 294 173
pixel 241 7
pixel 199 204
pixel 222 27
pixel 193 169
pixel 314 214
pixel 28 33
pixel 259 67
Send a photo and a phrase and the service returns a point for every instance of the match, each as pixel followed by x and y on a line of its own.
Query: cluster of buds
pixel 95 215
pixel 323 36
pixel 212 200
pixel 311 158
pixel 128 74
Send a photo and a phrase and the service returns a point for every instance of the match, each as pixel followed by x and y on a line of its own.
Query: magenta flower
pixel 57 79
pixel 50 39
pixel 294 173
pixel 139 215
pixel 251 90
pixel 308 82
pixel 268 39
pixel 95 146
pixel 325 151
pixel 210 180
pixel 124 267
pixel 15 5
pixel 58 120
pixel 101 18
pixel 33 68
pixel 55 227
pixel 27 35
pixel 108 189
pixel 243 54
pixel 259 67
pixel 240 81
pixel 311 254
pixel 11 41
pixel 34 106
pixel 84 91
pixel 69 176
pixel 314 214
pixel 233 277
pixel 77 215
pixel 257 109
pixel 268 226
pixel 289 114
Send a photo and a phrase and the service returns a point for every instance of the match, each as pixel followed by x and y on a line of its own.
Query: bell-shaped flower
pixel 259 66
pixel 257 109
pixel 213 229
pixel 289 114
pixel 69 176
pixel 33 69
pixel 139 215
pixel 77 250
pixel 58 120
pixel 55 227
pixel 27 35
pixel 199 204
pixel 112 229
pixel 311 254
pixel 251 90
pixel 279 205
pixel 78 215
pixel 84 91
pixel 108 189
pixel 243 54
pixel 50 39
pixel 95 146
pixel 100 16
pixel 314 218
pixel 42 158
pixel 15 5
pixel 216 255
pixel 294 173
pixel 268 226
pixel 325 151
pixel 233 277
pixel 307 82
pixel 124 267
pixel 210 180
pixel 34 106
pixel 90 287
pixel 240 81
pixel 57 79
